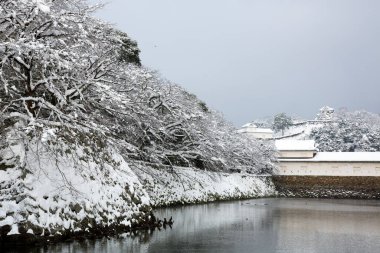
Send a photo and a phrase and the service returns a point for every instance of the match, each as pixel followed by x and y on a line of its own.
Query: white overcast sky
pixel 254 58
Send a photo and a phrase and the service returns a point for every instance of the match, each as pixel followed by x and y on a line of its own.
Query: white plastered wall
pixel 296 154
pixel 329 168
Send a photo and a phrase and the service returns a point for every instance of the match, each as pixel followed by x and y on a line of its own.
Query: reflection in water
pixel 262 225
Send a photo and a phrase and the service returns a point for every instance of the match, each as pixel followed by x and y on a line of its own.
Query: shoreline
pixel 161 194
pixel 227 190
pixel 24 241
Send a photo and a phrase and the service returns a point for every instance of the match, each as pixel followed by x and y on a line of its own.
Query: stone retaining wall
pixel 190 186
pixel 328 186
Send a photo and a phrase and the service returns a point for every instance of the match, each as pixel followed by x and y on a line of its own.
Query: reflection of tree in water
pixel 144 236
pixel 222 227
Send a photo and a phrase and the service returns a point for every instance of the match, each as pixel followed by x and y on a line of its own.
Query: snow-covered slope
pixel 188 185
pixel 52 188
pixel 301 130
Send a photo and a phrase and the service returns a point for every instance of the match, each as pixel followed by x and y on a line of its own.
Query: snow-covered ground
pixel 187 185
pixel 301 130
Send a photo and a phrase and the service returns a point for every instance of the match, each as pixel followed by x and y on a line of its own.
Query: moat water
pixel 260 225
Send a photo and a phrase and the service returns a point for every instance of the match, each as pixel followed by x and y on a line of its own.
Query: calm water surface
pixel 261 225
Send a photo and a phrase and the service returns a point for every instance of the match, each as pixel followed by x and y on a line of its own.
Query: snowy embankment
pixel 188 185
pixel 302 130
pixel 50 189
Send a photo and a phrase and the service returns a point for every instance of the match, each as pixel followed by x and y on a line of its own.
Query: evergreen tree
pixel 281 122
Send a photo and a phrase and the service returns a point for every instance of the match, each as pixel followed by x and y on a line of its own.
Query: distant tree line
pixel 350 132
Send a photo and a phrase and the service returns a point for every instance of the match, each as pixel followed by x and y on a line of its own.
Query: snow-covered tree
pixel 281 122
pixel 61 68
